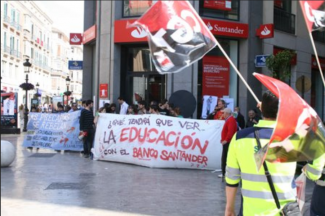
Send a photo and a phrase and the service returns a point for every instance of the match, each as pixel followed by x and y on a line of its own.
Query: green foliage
pixel 280 64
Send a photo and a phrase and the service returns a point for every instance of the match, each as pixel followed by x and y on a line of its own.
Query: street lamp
pixel 37 94
pixel 26 86
pixel 67 93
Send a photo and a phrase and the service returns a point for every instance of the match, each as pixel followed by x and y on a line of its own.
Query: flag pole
pixel 317 59
pixel 237 71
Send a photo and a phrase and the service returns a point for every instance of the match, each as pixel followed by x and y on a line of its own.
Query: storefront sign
pixel 9 109
pixel 103 90
pixel 158 141
pixel 265 31
pixel 75 38
pixel 314 64
pixel 225 28
pixel 89 35
pixel 122 34
pixel 219 5
pixel 75 65
pixel 215 80
pixel 58 131
pixel 260 60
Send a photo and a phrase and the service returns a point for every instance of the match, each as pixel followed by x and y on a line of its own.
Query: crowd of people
pixel 239 141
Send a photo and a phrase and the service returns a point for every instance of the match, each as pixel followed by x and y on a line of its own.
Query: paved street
pixel 48 183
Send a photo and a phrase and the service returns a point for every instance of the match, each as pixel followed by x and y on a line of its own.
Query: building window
pixel 5 39
pixel 222 9
pixel 3 68
pixel 134 8
pixel 284 20
pixel 12 43
pixel 5 9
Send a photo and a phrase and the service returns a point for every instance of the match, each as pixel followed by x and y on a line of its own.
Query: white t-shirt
pixel 124 108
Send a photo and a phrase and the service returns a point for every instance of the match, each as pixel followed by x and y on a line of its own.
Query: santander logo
pixel 209 26
pixel 265 31
pixel 139 33
pixel 75 39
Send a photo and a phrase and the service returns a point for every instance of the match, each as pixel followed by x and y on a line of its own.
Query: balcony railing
pixel 18 27
pixel 319 36
pixel 6 49
pixel 284 21
pixel 6 19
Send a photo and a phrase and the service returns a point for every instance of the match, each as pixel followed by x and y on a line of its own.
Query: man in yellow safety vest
pixel 241 166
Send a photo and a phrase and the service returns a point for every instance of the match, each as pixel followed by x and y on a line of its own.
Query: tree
pixel 280 64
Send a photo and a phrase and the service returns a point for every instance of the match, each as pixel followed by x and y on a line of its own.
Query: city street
pixel 48 183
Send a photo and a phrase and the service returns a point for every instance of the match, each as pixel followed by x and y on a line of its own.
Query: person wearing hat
pixel 228 131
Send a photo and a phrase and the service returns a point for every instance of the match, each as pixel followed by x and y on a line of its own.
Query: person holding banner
pixel 228 131
pixel 87 125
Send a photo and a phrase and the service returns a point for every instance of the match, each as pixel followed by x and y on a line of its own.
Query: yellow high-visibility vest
pixel 241 166
pixel 317 169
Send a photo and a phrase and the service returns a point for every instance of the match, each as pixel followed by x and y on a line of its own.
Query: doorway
pixel 145 86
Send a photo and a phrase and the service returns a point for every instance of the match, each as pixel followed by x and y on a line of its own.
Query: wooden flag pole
pixel 317 59
pixel 237 71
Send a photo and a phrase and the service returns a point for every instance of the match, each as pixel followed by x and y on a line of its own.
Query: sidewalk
pixel 48 183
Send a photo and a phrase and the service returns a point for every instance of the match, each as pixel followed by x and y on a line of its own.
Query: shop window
pixel 139 60
pixel 134 8
pixel 215 75
pixel 221 9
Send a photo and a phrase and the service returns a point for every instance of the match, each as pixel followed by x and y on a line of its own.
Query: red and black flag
pixel 177 35
pixel 314 13
pixel 299 133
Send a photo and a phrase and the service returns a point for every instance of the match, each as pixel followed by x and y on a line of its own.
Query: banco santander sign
pixel 225 28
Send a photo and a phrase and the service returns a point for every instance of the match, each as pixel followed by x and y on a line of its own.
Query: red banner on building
pixel 89 35
pixel 103 90
pixel 215 80
pixel 122 34
pixel 225 28
pixel 219 5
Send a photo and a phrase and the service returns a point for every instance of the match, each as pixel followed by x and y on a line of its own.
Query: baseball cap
pixel 226 110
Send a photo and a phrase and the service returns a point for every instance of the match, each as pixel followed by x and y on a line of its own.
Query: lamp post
pixel 37 87
pixel 27 65
pixel 67 93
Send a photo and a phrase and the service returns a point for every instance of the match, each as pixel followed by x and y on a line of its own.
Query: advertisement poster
pixel 158 141
pixel 58 131
pixel 9 109
pixel 219 5
pixel 215 80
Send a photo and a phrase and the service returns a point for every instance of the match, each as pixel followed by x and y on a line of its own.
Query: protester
pixel 112 108
pixel 154 110
pixel 217 114
pixel 67 108
pixel 241 167
pixel 315 171
pixel 101 110
pixel 123 106
pixel 177 112
pixel 163 107
pixel 131 110
pixel 252 119
pixel 228 131
pixel 21 115
pixel 87 125
pixel 142 108
pixel 60 108
pixel 74 107
pixel 83 104
pixel 239 118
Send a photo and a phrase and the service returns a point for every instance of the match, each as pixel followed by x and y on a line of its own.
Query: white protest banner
pixel 58 131
pixel 158 141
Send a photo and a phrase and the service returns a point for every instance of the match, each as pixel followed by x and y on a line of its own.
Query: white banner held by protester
pixel 58 131
pixel 158 141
